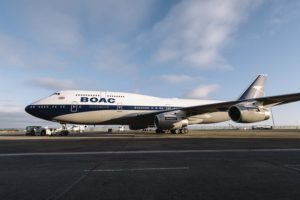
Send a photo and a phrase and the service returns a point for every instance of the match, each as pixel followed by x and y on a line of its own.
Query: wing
pixel 224 106
pixel 219 107
pixel 279 100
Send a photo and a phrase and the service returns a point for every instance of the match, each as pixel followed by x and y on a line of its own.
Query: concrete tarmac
pixel 200 165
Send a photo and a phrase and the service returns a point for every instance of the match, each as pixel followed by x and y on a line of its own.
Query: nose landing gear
pixel 64 131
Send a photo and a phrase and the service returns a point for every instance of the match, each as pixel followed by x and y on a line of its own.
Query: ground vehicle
pixel 77 128
pixel 262 127
pixel 121 128
pixel 54 131
pixel 35 130
pixel 42 131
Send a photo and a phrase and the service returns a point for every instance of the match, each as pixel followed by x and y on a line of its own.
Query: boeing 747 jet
pixel 166 114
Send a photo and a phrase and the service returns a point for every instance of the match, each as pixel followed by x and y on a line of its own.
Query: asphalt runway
pixel 200 165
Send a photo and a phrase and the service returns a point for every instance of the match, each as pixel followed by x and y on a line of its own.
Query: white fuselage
pixel 100 107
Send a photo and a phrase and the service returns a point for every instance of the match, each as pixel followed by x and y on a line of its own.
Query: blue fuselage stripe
pixel 50 111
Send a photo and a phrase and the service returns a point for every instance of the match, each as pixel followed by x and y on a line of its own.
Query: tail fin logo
pixel 256 89
pixel 259 89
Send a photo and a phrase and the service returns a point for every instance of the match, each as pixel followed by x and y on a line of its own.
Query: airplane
pixel 166 114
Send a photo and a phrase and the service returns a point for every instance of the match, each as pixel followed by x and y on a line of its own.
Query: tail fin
pixel 256 89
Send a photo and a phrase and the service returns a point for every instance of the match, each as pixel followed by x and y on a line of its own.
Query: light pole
pixel 273 120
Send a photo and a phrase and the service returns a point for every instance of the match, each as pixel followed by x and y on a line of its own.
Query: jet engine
pixel 170 121
pixel 248 114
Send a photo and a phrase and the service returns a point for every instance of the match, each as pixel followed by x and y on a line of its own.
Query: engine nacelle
pixel 244 114
pixel 170 121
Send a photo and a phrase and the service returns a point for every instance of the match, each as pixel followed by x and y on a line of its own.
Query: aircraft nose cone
pixel 31 110
pixel 38 111
pixel 27 109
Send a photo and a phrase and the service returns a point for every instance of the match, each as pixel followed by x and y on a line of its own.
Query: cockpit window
pixel 56 93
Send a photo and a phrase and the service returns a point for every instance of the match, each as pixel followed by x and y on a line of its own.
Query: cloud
pixel 11 51
pixel 52 84
pixel 176 79
pixel 8 107
pixel 21 120
pixel 13 115
pixel 194 32
pixel 15 52
pixel 202 91
pixel 114 57
pixel 117 17
pixel 283 12
pixel 55 29
pixel 73 25
pixel 98 32
pixel 54 34
pixel 57 33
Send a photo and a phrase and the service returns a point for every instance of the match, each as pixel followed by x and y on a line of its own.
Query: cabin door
pixel 74 106
pixel 119 107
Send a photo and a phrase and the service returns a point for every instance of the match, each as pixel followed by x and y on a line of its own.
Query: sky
pixel 173 48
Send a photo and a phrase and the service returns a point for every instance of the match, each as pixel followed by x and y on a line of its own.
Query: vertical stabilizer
pixel 256 89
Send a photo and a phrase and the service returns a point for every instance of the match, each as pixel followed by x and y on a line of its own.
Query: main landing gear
pixel 180 131
pixel 174 131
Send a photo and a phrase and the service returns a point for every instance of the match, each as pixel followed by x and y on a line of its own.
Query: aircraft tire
pixel 65 133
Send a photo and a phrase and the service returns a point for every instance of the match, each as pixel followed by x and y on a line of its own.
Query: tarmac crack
pixel 290 167
pixel 295 167
pixel 76 182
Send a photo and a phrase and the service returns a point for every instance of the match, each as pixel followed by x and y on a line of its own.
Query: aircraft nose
pixel 28 109
pixel 39 111
pixel 33 110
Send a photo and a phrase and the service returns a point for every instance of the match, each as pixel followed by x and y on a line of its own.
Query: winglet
pixel 256 89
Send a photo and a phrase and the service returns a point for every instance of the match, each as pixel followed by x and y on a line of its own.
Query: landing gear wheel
pixel 184 131
pixel 173 131
pixel 32 133
pixel 65 133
